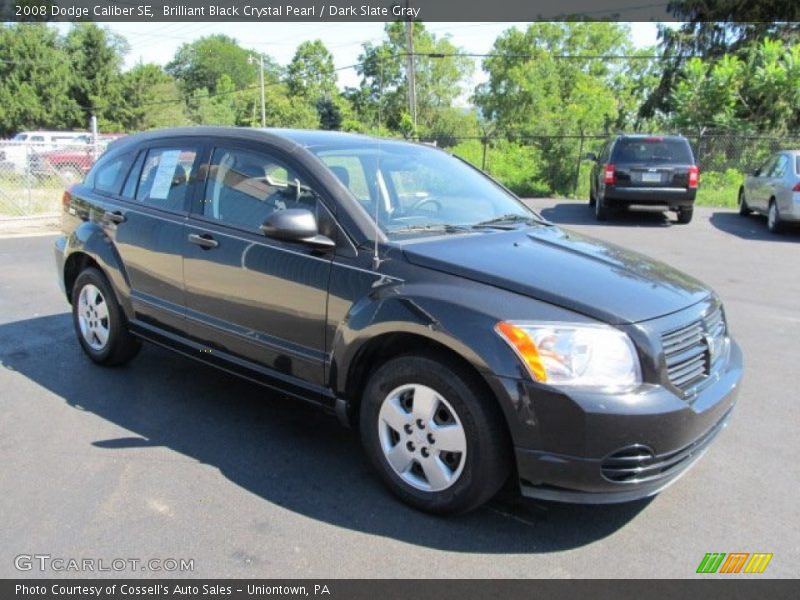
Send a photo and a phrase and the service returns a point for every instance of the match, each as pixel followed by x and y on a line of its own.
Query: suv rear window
pixel 652 150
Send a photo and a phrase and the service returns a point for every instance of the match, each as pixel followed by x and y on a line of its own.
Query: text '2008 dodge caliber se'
pixel 468 339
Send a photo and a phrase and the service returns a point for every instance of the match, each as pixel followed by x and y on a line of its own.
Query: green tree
pixel 35 80
pixel 152 99
pixel 218 108
pixel 200 65
pixel 440 73
pixel 311 74
pixel 756 90
pixel 538 90
pixel 95 56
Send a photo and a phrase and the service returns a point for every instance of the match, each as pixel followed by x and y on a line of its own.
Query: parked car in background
pixel 72 162
pixel 648 170
pixel 774 190
pixel 18 151
pixel 401 289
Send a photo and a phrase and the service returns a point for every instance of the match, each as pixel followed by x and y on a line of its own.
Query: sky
pixel 158 42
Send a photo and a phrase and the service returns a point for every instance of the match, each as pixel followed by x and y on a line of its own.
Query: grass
pixel 21 198
pixel 719 189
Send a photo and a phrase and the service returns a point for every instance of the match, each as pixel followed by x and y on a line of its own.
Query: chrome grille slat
pixel 686 350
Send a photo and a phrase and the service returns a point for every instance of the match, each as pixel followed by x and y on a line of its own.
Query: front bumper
pixel 572 444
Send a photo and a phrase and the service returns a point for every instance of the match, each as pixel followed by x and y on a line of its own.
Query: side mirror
pixel 590 156
pixel 296 225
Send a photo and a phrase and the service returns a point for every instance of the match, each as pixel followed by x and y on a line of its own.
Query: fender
pixel 90 239
pixel 428 311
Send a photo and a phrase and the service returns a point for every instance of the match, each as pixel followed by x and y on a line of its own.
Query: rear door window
pixel 165 178
pixel 652 150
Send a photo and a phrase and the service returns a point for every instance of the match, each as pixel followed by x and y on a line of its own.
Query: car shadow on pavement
pixel 580 213
pixel 751 227
pixel 288 453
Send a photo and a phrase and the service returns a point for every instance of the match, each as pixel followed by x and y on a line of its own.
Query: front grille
pixel 690 351
pixel 638 464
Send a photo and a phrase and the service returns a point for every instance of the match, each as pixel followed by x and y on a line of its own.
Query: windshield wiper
pixel 509 219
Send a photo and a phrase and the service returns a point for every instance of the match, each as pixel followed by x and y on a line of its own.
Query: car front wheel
pixel 744 210
pixel 437 442
pixel 99 321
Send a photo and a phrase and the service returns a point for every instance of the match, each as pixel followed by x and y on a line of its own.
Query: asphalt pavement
pixel 168 459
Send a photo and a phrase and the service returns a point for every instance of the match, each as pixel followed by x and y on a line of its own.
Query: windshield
pixel 416 190
pixel 652 150
pixel 20 137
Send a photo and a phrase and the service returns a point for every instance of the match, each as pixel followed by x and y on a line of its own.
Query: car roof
pixel 642 136
pixel 306 138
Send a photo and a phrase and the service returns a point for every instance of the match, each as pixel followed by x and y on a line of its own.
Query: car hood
pixel 594 278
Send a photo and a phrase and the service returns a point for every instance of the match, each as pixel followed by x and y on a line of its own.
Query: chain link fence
pixel 33 175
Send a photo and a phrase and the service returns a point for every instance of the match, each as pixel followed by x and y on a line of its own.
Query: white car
pixel 15 153
pixel 774 190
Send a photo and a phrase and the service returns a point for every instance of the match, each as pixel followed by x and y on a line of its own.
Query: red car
pixel 72 162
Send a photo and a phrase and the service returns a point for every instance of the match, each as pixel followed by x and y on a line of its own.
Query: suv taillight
pixel 694 176
pixel 796 187
pixel 608 174
pixel 66 200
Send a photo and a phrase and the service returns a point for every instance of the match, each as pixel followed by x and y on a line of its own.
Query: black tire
pixel 601 209
pixel 744 210
pixel 477 474
pixel 774 223
pixel 120 345
pixel 592 199
pixel 685 215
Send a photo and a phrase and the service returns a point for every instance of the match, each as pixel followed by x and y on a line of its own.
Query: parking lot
pixel 168 459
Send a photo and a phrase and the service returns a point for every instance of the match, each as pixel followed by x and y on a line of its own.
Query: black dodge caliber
pixel 468 339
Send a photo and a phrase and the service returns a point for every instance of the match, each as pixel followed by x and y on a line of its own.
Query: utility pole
pixel 261 82
pixel 410 70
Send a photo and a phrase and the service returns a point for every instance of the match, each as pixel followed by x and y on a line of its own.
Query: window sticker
pixel 164 175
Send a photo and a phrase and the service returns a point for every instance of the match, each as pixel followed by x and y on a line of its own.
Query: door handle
pixel 203 240
pixel 116 217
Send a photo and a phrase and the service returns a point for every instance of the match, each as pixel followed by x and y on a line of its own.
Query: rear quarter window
pixel 652 150
pixel 108 174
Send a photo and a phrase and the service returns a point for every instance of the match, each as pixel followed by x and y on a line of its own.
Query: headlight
pixel 597 356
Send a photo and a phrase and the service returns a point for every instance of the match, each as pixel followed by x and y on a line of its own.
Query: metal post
pixel 578 170
pixel 485 142
pixel 93 127
pixel 261 82
pixel 411 72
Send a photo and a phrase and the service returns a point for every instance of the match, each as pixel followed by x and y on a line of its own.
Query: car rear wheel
pixel 774 223
pixel 99 322
pixel 435 440
pixel 744 210
pixel 592 198
pixel 685 215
